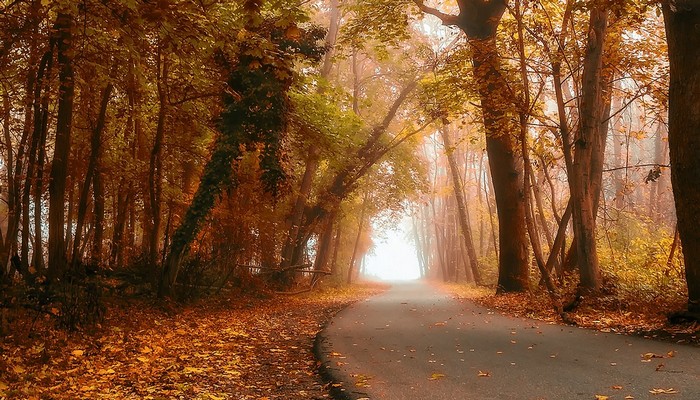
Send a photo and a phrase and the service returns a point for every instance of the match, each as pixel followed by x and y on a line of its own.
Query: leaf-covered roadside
pixel 605 313
pixel 243 348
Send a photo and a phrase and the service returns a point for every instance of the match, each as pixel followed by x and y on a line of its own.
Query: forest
pixel 181 150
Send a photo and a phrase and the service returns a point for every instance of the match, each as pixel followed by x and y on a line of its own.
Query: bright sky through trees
pixel 393 256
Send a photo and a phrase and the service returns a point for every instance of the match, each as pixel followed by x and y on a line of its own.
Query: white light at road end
pixel 394 254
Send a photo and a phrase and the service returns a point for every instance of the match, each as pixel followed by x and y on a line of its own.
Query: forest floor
pixel 245 347
pixel 606 313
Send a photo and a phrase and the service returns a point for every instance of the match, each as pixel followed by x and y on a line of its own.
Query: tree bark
pixel 682 20
pixel 155 169
pixel 59 165
pixel 582 176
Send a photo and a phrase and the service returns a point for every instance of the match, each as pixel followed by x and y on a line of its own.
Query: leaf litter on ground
pixel 245 347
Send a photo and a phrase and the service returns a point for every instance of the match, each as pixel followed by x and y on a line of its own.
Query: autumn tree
pixel 255 113
pixel 682 18
pixel 479 20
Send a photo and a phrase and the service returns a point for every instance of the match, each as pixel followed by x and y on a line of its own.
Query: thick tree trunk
pixel 506 166
pixel 59 165
pixel 325 239
pixel 682 18
pixel 582 176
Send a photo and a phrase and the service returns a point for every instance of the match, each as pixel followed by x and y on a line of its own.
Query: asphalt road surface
pixel 415 342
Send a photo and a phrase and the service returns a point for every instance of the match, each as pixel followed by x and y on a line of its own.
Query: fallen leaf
pixel 18 369
pixel 601 397
pixel 649 356
pixel 105 372
pixel 617 387
pixel 78 353
pixel 663 391
pixel 484 374
pixel 660 367
pixel 629 397
pixel 435 376
pixel 671 354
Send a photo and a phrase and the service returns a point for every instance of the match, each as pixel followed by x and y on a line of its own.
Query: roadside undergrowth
pixel 617 313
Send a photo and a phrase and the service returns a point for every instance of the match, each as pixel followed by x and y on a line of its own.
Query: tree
pixel 479 20
pixel 682 18
pixel 256 112
pixel 59 166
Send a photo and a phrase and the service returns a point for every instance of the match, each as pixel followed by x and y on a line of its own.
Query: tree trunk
pixel 155 170
pixel 325 240
pixel 682 19
pixel 95 144
pixel 59 165
pixel 217 170
pixel 589 134
pixel 461 205
pixel 351 267
pixel 292 240
pixel 506 167
pixel 336 247
pixel 331 38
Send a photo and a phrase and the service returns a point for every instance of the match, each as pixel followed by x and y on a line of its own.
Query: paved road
pixel 414 342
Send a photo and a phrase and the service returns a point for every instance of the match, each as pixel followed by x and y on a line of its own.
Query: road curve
pixel 415 342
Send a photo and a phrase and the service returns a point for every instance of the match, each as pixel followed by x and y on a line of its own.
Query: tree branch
pixel 447 19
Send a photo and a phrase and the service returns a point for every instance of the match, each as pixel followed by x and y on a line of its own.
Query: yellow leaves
pixel 435 376
pixel 193 370
pixel 190 356
pixel 663 391
pixel 484 374
pixel 629 397
pixel 649 356
pixel 109 371
pixel 601 397
pixel 361 380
